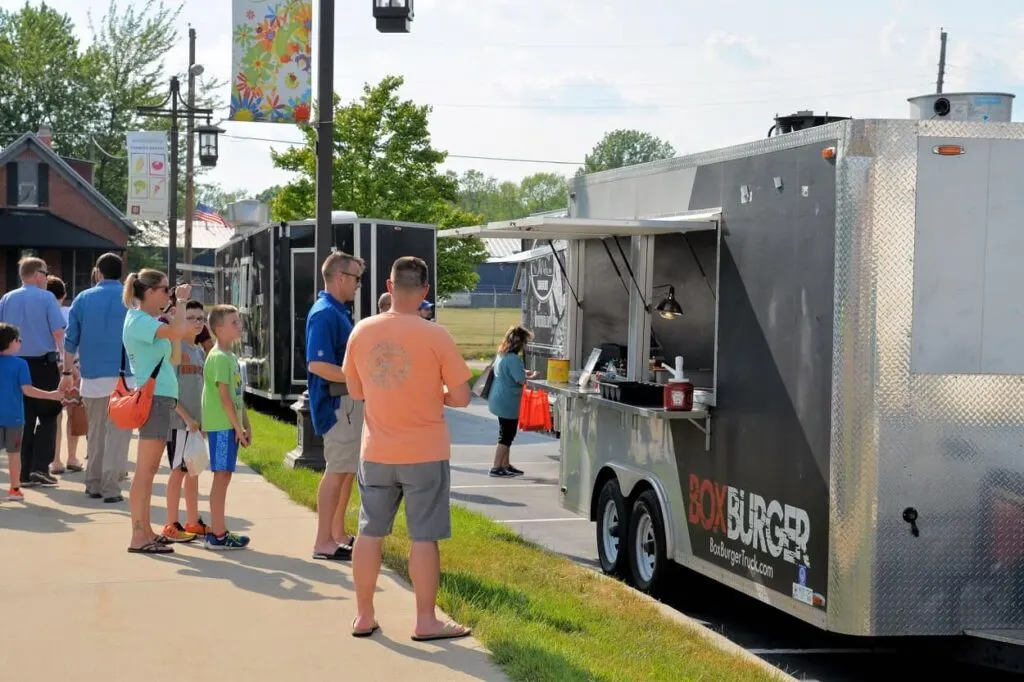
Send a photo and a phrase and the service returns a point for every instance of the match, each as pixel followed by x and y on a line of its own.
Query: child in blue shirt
pixel 15 383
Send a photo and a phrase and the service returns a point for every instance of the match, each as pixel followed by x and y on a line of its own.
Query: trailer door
pixel 303 267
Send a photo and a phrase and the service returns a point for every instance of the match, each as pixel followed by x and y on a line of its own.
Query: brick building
pixel 49 208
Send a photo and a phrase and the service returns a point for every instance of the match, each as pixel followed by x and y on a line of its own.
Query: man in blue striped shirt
pixel 37 315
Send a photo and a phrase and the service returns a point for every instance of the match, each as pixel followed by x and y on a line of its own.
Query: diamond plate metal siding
pixel 942 444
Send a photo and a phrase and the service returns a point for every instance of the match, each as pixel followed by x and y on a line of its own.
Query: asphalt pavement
pixel 529 505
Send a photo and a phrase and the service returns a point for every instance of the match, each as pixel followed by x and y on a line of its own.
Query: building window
pixel 28 183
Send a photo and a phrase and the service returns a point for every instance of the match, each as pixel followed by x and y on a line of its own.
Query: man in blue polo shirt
pixel 338 418
pixel 36 313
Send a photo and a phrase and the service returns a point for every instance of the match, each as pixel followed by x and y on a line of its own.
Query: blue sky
pixel 545 79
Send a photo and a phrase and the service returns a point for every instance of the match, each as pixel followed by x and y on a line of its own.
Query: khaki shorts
pixel 343 442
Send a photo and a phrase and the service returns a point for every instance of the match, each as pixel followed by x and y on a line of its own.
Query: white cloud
pixel 727 48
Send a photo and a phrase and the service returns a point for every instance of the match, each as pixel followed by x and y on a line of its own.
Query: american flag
pixel 207 214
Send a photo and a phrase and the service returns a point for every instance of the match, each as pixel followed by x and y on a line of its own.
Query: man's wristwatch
pixel 67 374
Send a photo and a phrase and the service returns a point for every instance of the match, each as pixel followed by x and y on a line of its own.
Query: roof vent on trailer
pixel 978 107
pixel 247 215
pixel 801 120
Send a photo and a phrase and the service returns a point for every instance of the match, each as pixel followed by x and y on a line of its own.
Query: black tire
pixel 650 578
pixel 612 562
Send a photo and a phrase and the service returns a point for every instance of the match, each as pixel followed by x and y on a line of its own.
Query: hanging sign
pixel 147 176
pixel 271 77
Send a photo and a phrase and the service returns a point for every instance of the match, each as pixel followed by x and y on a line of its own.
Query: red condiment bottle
pixel 679 395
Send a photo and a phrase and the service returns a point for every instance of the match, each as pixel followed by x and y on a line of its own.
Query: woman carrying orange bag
pixel 147 345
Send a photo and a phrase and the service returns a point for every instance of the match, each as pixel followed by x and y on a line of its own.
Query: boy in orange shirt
pixel 400 364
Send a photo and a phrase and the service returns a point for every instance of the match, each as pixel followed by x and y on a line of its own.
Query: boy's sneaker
pixel 512 470
pixel 15 495
pixel 226 541
pixel 500 472
pixel 175 533
pixel 199 529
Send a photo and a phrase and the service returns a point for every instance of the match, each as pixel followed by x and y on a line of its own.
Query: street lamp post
pixel 392 16
pixel 309 450
pixel 177 109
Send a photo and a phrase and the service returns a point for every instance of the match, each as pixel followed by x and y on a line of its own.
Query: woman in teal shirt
pixel 147 343
pixel 506 391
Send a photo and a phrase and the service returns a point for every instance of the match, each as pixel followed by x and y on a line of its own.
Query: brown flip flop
pixel 450 630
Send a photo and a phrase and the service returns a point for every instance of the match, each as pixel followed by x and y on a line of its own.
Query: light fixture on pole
pixel 669 307
pixel 208 144
pixel 393 16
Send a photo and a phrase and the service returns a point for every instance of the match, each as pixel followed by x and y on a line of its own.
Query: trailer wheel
pixel 611 528
pixel 646 546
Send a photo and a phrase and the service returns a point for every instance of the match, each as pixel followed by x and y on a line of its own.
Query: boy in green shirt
pixel 225 421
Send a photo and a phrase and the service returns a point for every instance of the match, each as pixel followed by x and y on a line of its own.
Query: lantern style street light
pixel 393 16
pixel 208 142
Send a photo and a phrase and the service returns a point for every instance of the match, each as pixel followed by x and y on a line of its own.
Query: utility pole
pixel 172 226
pixel 190 154
pixel 942 61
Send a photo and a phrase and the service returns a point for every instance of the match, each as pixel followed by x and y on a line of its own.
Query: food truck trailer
pixel 853 322
pixel 269 271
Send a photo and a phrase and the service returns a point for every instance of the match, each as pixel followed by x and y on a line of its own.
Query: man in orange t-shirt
pixel 401 365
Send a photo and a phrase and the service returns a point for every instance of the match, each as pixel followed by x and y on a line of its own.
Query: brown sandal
pixel 151 548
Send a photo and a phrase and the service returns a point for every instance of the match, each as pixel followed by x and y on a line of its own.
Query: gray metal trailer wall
pixel 770 430
pixel 770 433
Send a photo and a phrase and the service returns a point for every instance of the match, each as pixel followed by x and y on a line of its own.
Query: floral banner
pixel 271 72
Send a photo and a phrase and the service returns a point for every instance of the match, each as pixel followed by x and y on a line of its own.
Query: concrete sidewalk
pixel 76 605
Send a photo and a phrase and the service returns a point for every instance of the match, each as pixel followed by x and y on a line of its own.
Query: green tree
pixel 268 195
pixel 385 166
pixel 507 200
pixel 128 49
pixel 44 77
pixel 625 148
pixel 544 192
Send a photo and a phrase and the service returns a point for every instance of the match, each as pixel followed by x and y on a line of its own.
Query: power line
pixel 716 81
pixel 668 105
pixel 450 156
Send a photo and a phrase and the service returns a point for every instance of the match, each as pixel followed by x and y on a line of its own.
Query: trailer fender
pixel 632 482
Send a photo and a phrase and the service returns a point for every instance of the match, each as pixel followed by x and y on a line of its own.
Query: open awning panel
pixel 549 228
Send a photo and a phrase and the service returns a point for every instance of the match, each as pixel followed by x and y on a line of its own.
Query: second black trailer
pixel 269 274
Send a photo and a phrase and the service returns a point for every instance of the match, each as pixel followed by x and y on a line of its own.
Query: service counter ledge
pixel 700 416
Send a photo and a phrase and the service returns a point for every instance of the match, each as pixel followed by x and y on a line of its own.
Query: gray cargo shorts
pixel 426 488
pixel 343 441
pixel 10 438
pixel 158 426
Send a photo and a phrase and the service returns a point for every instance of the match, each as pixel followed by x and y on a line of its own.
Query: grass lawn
pixel 544 618
pixel 478 330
